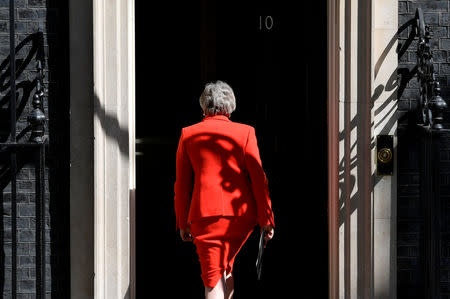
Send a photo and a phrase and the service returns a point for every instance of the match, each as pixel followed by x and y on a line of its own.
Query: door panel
pixel 276 63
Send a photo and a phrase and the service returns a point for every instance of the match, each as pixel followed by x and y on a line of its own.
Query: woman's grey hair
pixel 218 98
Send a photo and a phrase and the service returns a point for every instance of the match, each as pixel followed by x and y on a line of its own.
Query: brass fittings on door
pixel 385 155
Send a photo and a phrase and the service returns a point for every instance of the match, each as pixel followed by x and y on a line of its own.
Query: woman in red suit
pixel 221 189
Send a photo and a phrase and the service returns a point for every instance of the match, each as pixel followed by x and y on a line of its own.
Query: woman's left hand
pixel 185 234
pixel 269 232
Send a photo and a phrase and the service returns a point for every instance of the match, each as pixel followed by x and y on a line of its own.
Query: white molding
pixel 367 232
pixel 114 135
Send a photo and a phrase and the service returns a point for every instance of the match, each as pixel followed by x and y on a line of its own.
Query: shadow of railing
pixel 396 84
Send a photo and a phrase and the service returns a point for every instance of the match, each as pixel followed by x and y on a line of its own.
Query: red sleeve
pixel 183 184
pixel 258 181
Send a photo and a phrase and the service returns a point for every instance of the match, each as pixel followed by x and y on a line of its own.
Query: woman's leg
pixel 218 292
pixel 224 289
pixel 229 286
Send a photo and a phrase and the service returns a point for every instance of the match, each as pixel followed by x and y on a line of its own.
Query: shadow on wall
pixel 112 128
pixel 396 87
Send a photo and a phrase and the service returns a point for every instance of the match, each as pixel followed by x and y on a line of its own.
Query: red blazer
pixel 219 173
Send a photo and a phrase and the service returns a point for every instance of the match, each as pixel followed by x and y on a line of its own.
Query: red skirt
pixel 218 240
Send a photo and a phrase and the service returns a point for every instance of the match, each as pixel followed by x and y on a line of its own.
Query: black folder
pixel 260 255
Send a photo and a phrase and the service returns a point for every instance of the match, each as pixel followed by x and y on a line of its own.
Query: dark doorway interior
pixel 274 57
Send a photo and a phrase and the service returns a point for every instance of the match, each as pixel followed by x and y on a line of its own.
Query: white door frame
pixel 102 83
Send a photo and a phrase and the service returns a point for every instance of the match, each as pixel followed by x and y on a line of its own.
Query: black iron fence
pixel 430 133
pixel 25 147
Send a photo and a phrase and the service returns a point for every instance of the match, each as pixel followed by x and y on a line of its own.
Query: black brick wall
pixel 50 17
pixel 410 204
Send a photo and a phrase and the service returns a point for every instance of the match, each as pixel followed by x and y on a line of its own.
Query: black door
pixel 275 60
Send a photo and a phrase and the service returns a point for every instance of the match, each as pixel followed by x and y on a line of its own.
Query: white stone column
pixel 384 111
pixel 113 145
pixel 355 197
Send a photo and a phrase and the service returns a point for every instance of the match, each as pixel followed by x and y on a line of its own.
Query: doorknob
pixel 385 155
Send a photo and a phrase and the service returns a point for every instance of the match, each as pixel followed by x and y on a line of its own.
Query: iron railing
pixel 430 105
pixel 428 117
pixel 15 152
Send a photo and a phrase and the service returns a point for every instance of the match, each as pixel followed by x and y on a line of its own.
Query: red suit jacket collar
pixel 216 117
